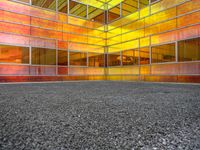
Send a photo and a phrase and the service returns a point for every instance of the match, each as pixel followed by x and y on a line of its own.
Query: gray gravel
pixel 99 115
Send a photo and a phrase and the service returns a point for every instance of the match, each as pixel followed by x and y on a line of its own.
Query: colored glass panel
pixel 163 53
pixel 14 54
pixel 189 50
pixel 43 56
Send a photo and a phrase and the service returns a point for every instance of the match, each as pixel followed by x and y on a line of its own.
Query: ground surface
pixel 99 115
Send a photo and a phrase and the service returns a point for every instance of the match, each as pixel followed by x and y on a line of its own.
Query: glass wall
pixel 14 54
pixel 62 58
pixel 114 59
pixel 144 55
pixel 95 60
pixel 89 38
pixel 78 58
pixel 189 50
pixel 163 53
pixel 130 57
pixel 43 56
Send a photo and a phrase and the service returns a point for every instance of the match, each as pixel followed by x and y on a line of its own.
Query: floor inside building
pixel 99 115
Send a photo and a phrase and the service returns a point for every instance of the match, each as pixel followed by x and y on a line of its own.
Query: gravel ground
pixel 99 115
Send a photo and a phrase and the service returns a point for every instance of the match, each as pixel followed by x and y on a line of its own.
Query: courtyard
pixel 99 115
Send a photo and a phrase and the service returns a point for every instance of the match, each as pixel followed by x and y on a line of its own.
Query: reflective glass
pixel 163 53
pixel 189 50
pixel 14 54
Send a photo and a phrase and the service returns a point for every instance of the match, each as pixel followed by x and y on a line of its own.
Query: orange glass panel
pixel 165 69
pixel 62 45
pixel 188 6
pixel 46 24
pixel 166 26
pixel 62 70
pixel 95 71
pixel 40 42
pixel 14 70
pixel 43 70
pixel 189 19
pixel 74 29
pixel 14 54
pixel 189 32
pixel 13 39
pixel 161 16
pixel 27 10
pixel 46 33
pixel 163 38
pixel 14 28
pixel 62 18
pixel 190 68
pixel 13 17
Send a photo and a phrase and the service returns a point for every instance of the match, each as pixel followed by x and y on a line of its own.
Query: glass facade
pixel 149 40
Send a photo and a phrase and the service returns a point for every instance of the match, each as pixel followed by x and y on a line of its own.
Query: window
pixel 78 59
pixel 43 56
pixel 189 50
pixel 50 4
pixel 130 57
pixel 96 60
pixel 163 53
pixel 14 54
pixel 114 59
pixel 62 58
pixel 144 56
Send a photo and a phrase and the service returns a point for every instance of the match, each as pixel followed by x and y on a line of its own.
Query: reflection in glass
pixel 14 54
pixel 114 59
pixel 78 59
pixel 144 55
pixel 96 60
pixel 189 50
pixel 130 57
pixel 163 53
pixel 43 56
pixel 62 58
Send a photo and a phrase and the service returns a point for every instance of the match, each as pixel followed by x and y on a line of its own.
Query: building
pixel 147 40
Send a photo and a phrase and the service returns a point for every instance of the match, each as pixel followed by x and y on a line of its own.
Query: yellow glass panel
pixel 145 41
pixel 161 16
pixel 145 12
